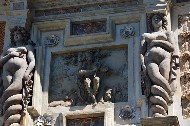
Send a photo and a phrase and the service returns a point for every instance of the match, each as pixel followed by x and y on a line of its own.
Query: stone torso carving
pixel 17 63
pixel 158 50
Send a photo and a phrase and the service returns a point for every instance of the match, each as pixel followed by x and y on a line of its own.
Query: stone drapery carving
pixel 17 63
pixel 184 42
pixel 159 56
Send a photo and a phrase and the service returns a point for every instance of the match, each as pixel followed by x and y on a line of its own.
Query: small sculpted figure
pixel 88 73
pixel 159 56
pixel 17 64
pixel 108 95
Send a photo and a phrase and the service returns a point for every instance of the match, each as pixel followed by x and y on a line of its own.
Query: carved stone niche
pixel 184 42
pixel 89 77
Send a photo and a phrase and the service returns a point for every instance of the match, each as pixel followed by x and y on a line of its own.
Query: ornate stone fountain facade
pixel 95 63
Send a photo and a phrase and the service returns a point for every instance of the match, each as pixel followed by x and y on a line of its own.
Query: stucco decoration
pixel 17 63
pixel 160 60
pixel 52 40
pixel 127 112
pixel 184 42
pixel 127 32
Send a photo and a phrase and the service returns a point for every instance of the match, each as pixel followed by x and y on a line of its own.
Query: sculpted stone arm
pixel 174 42
pixel 143 49
pixel 164 44
pixel 31 59
pixel 7 57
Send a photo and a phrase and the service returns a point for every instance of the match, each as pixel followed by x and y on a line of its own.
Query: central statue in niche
pixel 159 56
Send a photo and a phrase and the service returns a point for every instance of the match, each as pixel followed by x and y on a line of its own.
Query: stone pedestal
pixel 160 121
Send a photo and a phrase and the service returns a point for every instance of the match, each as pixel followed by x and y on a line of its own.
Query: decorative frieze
pixel 89 32
pixel 185 72
pixel 78 9
pixel 184 42
pixel 87 27
pixel 90 121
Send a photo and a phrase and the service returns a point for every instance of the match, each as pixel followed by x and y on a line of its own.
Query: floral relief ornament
pixel 52 40
pixel 127 112
pixel 127 32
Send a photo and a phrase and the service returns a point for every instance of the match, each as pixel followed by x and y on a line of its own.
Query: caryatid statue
pixel 17 63
pixel 159 58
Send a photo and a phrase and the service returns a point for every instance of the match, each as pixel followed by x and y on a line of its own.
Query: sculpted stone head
pixel 19 34
pixel 157 20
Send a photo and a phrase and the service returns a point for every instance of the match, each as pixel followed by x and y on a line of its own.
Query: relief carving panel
pixel 79 28
pixel 89 77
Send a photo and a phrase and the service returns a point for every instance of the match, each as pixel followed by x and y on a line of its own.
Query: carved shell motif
pixel 52 40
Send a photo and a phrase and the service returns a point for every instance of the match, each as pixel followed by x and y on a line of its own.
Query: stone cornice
pixel 86 13
pixel 44 4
